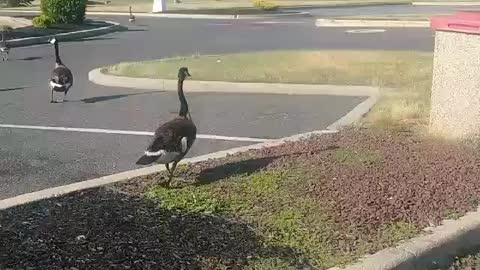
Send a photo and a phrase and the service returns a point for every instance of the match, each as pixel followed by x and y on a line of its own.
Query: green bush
pixel 265 5
pixel 42 21
pixel 16 3
pixel 6 28
pixel 64 11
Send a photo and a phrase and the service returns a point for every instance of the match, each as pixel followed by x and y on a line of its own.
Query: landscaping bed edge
pixel 22 42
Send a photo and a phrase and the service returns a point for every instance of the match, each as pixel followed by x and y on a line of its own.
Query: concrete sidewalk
pixel 98 77
pixel 173 15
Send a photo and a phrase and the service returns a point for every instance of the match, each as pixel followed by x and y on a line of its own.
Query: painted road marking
pixel 256 23
pixel 220 24
pixel 365 31
pixel 277 22
pixel 128 132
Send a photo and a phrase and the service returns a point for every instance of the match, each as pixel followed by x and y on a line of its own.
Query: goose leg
pixel 167 165
pixel 170 174
pixel 51 98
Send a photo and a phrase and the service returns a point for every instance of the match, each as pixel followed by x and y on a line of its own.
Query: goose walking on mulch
pixel 62 78
pixel 173 139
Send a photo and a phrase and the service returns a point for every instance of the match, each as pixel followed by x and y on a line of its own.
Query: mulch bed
pixel 101 229
pixel 419 180
pixel 411 179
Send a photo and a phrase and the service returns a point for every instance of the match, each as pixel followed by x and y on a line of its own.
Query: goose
pixel 61 79
pixel 131 18
pixel 4 48
pixel 173 139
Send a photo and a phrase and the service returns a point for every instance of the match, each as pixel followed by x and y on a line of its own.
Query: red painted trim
pixel 461 21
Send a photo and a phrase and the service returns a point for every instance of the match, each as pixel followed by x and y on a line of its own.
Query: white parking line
pixel 128 132
pixel 365 31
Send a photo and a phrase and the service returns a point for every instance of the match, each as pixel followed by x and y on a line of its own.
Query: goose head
pixel 53 40
pixel 183 73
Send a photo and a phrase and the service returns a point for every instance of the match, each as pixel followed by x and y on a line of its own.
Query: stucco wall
pixel 456 86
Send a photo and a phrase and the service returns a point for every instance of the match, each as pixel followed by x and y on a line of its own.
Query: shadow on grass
pixel 227 170
pixel 249 166
pixel 101 229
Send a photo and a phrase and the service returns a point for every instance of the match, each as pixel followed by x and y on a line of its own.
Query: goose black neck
pixel 57 56
pixel 183 101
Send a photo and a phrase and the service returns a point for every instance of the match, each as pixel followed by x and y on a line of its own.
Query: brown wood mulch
pixel 413 179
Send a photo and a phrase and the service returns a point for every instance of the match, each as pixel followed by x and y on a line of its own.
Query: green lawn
pixel 407 71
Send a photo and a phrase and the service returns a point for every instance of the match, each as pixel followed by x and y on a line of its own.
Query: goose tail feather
pixel 146 160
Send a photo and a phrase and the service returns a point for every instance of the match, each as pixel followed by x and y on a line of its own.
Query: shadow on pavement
pixel 31 58
pixel 112 97
pixel 11 89
pixel 102 229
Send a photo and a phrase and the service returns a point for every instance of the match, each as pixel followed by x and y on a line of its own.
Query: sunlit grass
pixel 404 77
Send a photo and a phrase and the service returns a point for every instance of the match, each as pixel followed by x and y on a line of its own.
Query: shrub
pixel 64 11
pixel 17 3
pixel 265 5
pixel 42 21
pixel 6 28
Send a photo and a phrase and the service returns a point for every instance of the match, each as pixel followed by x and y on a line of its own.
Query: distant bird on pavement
pixel 4 47
pixel 131 17
pixel 62 78
pixel 173 139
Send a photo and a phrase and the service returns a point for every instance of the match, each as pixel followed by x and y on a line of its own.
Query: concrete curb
pixel 21 42
pixel 369 23
pixel 96 76
pixel 180 15
pixel 446 3
pixel 436 249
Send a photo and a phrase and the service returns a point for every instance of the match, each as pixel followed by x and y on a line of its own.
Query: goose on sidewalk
pixel 173 139
pixel 61 79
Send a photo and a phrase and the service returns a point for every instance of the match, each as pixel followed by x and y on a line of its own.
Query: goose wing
pixel 169 136
pixel 171 141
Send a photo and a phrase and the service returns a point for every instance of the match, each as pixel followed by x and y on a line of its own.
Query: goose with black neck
pixel 61 79
pixel 173 139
